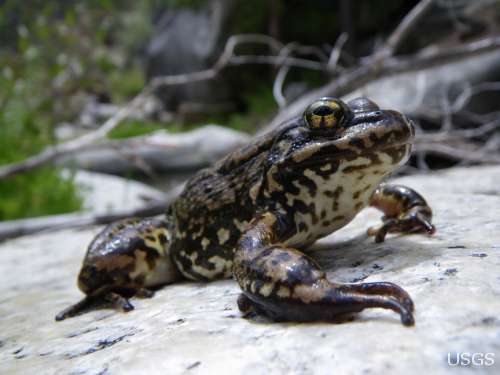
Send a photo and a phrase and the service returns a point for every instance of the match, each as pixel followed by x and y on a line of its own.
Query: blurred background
pixel 155 90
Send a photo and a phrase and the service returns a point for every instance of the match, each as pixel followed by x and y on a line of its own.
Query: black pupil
pixel 323 111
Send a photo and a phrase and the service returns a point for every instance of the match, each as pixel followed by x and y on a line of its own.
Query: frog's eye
pixel 326 113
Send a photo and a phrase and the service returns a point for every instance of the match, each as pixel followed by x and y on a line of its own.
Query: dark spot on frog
pixel 335 193
pixel 451 272
pixel 162 238
pixel 297 274
pixel 283 257
pixel 193 365
pixel 479 255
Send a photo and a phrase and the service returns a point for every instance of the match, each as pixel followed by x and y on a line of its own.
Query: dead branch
pixel 16 228
pixel 157 152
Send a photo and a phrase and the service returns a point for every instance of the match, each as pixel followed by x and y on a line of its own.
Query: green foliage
pixel 134 128
pixel 53 55
pixel 42 192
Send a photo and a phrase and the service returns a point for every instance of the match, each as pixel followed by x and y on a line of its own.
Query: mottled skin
pixel 254 214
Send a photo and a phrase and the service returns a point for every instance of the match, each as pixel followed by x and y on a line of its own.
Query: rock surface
pixel 194 328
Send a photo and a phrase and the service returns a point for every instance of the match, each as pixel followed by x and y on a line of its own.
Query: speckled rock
pixel 194 328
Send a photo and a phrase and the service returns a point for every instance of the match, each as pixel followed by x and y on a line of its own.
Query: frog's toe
pixel 117 301
pixel 387 289
pixel 76 309
pixel 94 302
pixel 411 222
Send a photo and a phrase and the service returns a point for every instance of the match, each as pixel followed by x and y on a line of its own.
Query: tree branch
pixel 403 29
pixel 369 71
pixel 227 58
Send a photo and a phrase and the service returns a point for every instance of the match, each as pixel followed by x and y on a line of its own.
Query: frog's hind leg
pixel 125 260
pixel 405 211
pixel 285 284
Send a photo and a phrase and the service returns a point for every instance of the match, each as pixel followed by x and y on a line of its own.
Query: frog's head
pixel 332 135
pixel 327 163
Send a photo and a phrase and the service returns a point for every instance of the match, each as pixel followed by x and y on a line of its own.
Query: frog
pixel 255 213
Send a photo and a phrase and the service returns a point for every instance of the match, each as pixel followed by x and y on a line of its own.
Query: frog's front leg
pixel 405 211
pixel 285 284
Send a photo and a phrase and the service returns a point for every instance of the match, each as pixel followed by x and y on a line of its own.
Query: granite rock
pixel 195 328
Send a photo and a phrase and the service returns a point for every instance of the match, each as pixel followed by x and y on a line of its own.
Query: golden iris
pixel 325 113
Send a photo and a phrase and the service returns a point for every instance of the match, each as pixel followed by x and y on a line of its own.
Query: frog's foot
pixel 285 284
pixel 405 212
pixel 104 300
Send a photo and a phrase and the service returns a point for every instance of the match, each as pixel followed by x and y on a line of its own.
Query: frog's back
pixel 214 209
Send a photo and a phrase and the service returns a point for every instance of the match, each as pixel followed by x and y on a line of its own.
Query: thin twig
pixel 333 60
pixel 403 29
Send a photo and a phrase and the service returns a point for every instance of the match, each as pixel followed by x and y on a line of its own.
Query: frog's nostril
pixel 323 111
